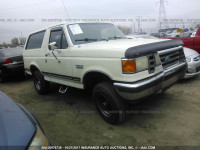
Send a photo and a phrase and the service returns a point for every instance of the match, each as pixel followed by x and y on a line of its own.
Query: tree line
pixel 14 42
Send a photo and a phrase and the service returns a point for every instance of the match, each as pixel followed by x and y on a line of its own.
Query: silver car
pixel 193 61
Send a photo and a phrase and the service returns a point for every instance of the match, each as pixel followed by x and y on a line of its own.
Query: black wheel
pixel 2 77
pixel 177 35
pixel 108 103
pixel 40 84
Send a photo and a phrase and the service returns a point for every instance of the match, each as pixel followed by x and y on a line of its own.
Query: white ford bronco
pixel 98 56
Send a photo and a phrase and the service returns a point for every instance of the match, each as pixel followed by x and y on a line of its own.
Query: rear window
pixel 8 52
pixel 35 40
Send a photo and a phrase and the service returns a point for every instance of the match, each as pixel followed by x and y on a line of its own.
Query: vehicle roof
pixel 65 24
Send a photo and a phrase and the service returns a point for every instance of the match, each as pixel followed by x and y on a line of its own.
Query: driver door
pixel 57 61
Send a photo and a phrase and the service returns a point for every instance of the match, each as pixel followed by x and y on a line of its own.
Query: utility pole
pixel 139 24
pixel 162 14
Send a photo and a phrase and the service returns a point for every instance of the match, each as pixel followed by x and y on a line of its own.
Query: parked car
pixel 98 56
pixel 191 42
pixel 164 32
pixel 19 130
pixel 186 32
pixel 158 35
pixel 173 33
pixel 193 61
pixel 11 63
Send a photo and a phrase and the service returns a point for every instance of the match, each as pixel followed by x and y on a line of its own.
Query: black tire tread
pixel 109 90
pixel 45 85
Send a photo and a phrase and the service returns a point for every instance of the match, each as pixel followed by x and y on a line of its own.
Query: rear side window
pixel 58 36
pixel 35 40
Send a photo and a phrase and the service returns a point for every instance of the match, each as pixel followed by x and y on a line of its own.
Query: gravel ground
pixel 169 119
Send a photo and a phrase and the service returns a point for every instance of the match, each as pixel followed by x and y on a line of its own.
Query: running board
pixel 63 89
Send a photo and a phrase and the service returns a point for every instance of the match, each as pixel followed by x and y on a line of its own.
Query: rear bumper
pixel 152 85
pixel 9 69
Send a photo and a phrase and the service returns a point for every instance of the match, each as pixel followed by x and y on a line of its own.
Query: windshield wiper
pixel 115 37
pixel 86 39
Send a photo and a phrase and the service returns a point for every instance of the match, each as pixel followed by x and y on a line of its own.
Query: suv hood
pixel 16 129
pixel 111 48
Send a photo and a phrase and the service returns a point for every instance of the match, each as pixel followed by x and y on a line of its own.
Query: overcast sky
pixel 85 9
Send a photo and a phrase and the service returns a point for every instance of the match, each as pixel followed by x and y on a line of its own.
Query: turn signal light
pixel 128 66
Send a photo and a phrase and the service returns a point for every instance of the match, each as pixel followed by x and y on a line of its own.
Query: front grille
pixel 171 57
pixel 152 63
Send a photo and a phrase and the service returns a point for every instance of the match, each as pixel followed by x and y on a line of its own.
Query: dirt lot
pixel 170 119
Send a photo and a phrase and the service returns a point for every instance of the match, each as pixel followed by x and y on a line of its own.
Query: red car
pixel 191 42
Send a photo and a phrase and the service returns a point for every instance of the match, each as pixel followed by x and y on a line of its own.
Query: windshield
pixel 92 32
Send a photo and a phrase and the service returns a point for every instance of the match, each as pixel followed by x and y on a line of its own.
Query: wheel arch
pixel 91 78
pixel 33 67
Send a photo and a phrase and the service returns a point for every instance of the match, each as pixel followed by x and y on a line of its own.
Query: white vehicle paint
pixel 99 56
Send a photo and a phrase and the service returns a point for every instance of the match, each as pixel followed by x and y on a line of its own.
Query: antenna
pixel 162 15
pixel 65 9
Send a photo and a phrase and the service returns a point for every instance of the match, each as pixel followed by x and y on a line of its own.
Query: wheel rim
pixel 37 83
pixel 104 106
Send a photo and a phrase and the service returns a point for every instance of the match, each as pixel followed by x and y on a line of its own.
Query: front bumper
pixel 152 85
pixel 193 69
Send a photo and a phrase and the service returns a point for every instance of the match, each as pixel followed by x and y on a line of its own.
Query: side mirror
pixel 52 46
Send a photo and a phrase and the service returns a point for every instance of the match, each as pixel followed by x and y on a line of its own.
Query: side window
pixel 35 40
pixel 58 36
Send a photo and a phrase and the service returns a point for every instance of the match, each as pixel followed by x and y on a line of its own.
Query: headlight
pixel 135 65
pixel 188 59
pixel 197 58
pixel 39 140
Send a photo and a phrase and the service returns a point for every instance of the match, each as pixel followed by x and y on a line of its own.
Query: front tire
pixel 41 86
pixel 108 103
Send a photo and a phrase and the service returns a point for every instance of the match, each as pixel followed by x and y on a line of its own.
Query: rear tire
pixel 108 103
pixel 41 86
